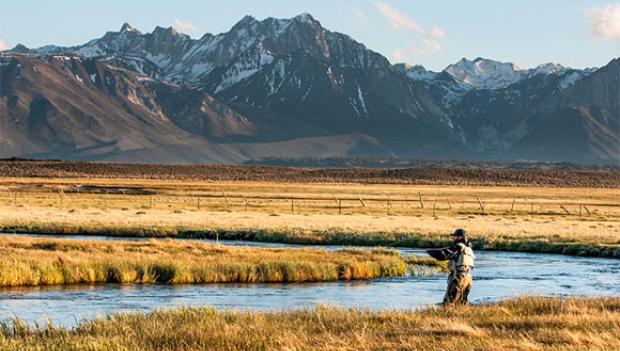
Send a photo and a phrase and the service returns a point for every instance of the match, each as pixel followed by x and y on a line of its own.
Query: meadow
pixel 33 262
pixel 528 323
pixel 577 221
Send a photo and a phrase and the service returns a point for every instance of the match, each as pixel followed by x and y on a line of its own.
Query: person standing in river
pixel 461 256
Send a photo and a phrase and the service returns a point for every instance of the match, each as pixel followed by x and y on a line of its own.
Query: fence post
pixel 421 201
pixel 335 199
pixel 198 202
pixel 389 204
pixel 292 205
pixel 587 210
pixel 513 206
pixel 532 208
pixel 580 209
pixel 245 200
pixel 361 201
pixel 60 196
pixel 449 204
pixel 434 201
pixel 481 205
pixel 339 206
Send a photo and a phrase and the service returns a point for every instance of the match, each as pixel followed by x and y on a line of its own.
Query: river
pixel 497 276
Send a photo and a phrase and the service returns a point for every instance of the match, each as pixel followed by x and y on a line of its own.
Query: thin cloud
pixel 430 39
pixel 398 55
pixel 185 26
pixel 604 21
pixel 397 20
pixel 438 33
pixel 429 46
pixel 361 16
pixel 3 45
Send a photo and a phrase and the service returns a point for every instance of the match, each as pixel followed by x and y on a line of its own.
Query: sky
pixel 575 33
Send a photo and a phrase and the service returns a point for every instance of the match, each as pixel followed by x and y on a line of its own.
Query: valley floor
pixel 578 221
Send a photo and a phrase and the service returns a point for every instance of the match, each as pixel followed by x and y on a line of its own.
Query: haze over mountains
pixel 291 88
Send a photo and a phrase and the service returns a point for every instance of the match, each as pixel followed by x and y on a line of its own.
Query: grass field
pixel 583 221
pixel 31 262
pixel 522 324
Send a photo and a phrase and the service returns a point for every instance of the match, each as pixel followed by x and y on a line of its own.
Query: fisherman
pixel 461 258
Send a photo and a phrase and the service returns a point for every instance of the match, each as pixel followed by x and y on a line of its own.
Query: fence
pixel 299 204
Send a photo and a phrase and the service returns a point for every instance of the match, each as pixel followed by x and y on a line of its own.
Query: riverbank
pixel 33 262
pixel 553 244
pixel 530 323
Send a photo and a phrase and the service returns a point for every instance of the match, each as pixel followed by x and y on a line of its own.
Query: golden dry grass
pixel 26 261
pixel 521 324
pixel 174 212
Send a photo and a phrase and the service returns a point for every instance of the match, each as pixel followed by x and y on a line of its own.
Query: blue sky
pixel 576 33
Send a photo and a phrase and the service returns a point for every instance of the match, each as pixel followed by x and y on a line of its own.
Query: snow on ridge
pixel 90 51
pixel 160 60
pixel 489 74
pixel 570 79
pixel 418 72
pixel 548 68
pixel 245 68
pixel 482 73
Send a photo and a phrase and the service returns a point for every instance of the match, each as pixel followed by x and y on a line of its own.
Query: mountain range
pixel 291 88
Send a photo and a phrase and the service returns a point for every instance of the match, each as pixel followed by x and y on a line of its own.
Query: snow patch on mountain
pixel 548 68
pixel 245 68
pixel 485 74
pixel 570 79
pixel 417 72
pixel 361 99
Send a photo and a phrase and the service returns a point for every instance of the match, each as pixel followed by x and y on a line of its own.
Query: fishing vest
pixel 466 258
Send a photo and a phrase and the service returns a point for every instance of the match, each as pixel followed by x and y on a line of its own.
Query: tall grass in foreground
pixel 520 324
pixel 31 262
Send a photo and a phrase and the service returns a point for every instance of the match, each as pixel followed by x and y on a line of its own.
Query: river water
pixel 498 275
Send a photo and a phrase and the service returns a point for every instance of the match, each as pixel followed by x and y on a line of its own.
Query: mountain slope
pixel 76 107
pixel 585 121
pixel 68 107
pixel 588 134
pixel 291 87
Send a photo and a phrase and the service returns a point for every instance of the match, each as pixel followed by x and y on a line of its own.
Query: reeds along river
pixel 498 275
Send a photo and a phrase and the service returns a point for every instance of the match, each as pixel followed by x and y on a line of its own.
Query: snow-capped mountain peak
pixel 485 74
pixel 417 72
pixel 548 68
pixel 304 18
pixel 129 28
